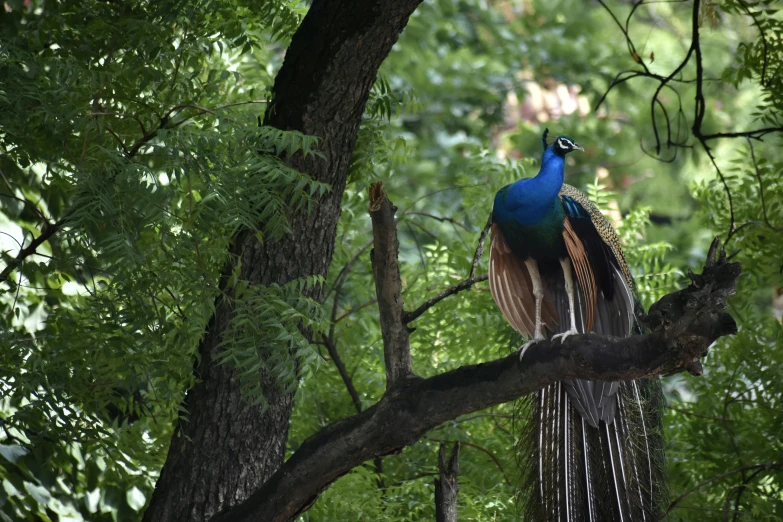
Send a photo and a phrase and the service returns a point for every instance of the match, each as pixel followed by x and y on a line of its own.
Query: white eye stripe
pixel 565 143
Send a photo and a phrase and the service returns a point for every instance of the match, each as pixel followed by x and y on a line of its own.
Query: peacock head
pixel 561 145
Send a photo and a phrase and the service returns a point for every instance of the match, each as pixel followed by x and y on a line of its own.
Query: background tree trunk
pixel 226 448
pixel 447 485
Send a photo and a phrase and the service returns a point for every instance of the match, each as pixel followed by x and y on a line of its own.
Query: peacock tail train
pixel 588 451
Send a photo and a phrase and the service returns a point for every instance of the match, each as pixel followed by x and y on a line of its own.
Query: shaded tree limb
pixel 682 326
pixel 446 485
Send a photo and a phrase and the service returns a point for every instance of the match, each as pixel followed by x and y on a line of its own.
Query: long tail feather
pixel 608 471
pixel 574 472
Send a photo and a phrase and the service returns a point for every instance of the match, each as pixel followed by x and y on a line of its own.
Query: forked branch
pixel 682 327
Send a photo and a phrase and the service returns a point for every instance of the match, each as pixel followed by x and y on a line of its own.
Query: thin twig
pixel 628 41
pixel 338 362
pixel 347 268
pixel 480 448
pixel 407 317
pixel 692 414
pixel 354 310
pixel 49 230
pixel 480 248
pixel 761 186
pixel 765 466
pixel 732 223
pixel 442 219
pixel 27 203
pixel 338 286
pixel 755 134
pixel 472 279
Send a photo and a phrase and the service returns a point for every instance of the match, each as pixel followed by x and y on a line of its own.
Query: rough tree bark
pixel 683 325
pixel 227 448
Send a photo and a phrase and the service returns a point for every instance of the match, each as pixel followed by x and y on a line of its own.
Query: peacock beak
pixel 578 147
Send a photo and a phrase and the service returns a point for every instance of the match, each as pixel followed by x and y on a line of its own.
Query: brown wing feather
pixel 584 272
pixel 512 288
pixel 604 228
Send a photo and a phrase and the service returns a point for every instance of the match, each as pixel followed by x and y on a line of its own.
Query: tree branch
pixel 480 247
pixel 338 362
pixel 446 486
pixel 756 134
pixel 682 326
pixel 472 279
pixel 354 393
pixel 49 230
pixel 388 287
pixel 407 317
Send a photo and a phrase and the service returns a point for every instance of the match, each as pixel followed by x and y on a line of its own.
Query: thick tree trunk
pixel 226 448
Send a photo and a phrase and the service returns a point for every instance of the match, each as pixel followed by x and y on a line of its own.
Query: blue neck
pixel 528 201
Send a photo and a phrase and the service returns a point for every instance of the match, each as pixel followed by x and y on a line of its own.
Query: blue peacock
pixel 590 451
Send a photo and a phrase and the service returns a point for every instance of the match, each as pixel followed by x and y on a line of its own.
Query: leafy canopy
pixel 132 130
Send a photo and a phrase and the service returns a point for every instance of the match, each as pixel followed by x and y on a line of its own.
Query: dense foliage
pixel 130 142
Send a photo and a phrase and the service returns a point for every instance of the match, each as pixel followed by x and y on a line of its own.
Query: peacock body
pixel 591 451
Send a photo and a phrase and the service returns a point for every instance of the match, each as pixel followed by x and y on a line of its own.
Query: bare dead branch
pixel 388 287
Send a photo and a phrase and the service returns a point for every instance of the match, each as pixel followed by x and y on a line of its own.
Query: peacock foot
pixel 562 336
pixel 524 347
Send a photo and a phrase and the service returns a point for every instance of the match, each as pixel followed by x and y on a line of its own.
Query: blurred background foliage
pixel 132 129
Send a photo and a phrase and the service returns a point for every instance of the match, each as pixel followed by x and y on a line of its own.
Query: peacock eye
pixel 564 144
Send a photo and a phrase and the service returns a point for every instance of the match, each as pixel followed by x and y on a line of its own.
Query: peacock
pixel 589 451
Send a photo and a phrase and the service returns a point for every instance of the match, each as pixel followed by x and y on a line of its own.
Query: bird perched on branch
pixel 591 451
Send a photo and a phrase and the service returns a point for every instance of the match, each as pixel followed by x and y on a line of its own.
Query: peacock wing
pixel 604 288
pixel 512 288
